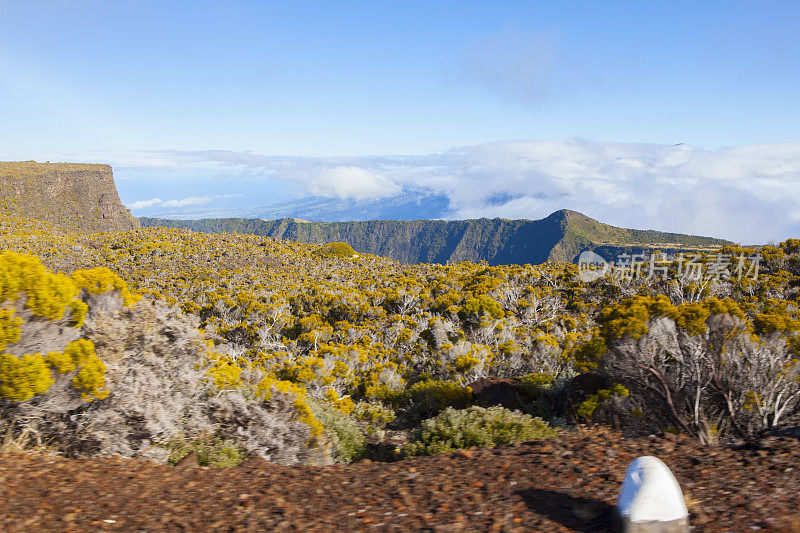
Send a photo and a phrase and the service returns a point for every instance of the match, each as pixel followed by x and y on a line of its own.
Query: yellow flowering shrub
pixel 343 404
pixel 91 374
pixel 47 294
pixel 300 404
pixel 9 327
pixel 101 280
pixel 23 377
pixel 331 329
pixel 223 371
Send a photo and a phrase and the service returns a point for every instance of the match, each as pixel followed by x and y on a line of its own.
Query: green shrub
pixel 373 414
pixel 341 250
pixel 477 309
pixel 601 399
pixel 476 426
pixel 543 389
pixel 210 451
pixel 537 384
pixel 428 398
pixel 348 441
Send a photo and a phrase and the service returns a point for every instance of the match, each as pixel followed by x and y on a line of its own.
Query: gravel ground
pixel 565 484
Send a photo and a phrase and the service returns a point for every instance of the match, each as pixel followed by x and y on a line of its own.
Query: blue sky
pixel 122 81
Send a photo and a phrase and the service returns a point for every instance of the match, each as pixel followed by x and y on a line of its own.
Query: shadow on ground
pixel 579 514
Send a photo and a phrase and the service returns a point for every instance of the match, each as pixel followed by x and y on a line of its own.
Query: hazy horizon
pixel 679 117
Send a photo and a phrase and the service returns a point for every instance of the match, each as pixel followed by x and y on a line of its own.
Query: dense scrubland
pixel 157 342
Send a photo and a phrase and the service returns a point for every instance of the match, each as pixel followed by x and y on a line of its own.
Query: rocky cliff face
pixel 80 197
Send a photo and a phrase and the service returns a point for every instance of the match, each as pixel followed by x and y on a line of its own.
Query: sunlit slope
pixel 374 337
pixel 74 196
pixel 561 236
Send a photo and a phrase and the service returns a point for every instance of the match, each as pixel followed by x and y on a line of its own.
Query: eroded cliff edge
pixel 71 196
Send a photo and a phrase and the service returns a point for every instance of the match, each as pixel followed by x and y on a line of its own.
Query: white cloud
pixel 180 202
pixel 746 194
pixel 352 183
pixel 192 200
pixel 141 204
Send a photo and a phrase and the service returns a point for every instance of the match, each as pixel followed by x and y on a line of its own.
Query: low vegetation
pixel 454 429
pixel 311 353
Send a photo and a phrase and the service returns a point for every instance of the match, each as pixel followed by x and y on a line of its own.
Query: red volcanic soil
pixel 565 484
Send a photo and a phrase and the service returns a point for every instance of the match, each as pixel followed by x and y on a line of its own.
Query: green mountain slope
pixel 560 236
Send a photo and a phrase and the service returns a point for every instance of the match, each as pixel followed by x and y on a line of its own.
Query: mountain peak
pixel 569 215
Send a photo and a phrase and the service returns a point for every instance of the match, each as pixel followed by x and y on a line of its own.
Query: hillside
pixel 78 197
pixel 561 236
pixel 247 352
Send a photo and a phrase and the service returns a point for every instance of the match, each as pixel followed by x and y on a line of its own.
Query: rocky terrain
pixel 78 197
pixel 565 484
pixel 561 236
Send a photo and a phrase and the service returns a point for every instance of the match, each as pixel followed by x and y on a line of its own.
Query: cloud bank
pixel 180 202
pixel 749 194
pixel 352 183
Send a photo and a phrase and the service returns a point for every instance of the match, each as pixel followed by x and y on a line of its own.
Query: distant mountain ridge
pixel 412 203
pixel 559 237
pixel 406 206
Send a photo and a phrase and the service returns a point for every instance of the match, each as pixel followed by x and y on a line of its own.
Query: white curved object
pixel 650 493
